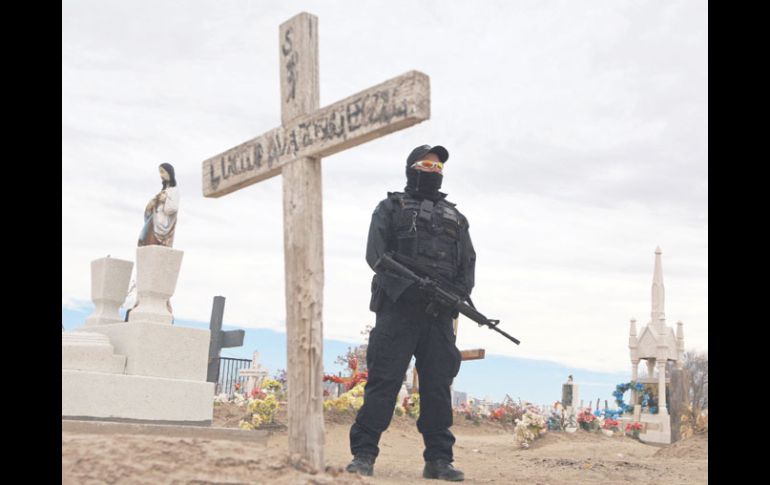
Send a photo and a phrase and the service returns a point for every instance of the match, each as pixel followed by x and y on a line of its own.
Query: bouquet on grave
pixel 586 419
pixel 529 427
pixel 634 429
pixel 611 424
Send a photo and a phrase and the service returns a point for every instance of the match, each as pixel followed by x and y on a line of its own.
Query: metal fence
pixel 228 374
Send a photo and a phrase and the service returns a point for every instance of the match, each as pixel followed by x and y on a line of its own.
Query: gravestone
pixel 145 369
pixel 294 150
pixel 569 397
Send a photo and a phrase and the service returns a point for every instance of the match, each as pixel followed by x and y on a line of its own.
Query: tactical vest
pixel 428 232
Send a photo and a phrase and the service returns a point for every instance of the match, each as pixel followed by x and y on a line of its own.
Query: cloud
pixel 577 136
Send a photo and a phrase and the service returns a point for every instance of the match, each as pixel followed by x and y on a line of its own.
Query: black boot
pixel 443 470
pixel 361 464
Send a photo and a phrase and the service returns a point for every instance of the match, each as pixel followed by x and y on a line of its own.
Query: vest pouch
pixel 378 295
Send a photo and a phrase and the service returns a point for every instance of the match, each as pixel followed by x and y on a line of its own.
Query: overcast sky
pixel 577 134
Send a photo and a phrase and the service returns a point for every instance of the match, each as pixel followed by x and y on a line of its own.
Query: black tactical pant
pixel 404 329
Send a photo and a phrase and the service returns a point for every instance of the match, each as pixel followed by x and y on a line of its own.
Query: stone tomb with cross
pixel 146 369
pixel 294 150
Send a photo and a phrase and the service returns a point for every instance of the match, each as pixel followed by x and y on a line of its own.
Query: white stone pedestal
pixel 160 350
pixel 157 271
pixel 109 285
pixel 90 351
pixel 125 397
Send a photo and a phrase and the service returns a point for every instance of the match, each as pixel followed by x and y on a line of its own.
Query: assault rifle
pixel 441 292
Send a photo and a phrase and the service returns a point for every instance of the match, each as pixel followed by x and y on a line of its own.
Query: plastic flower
pixel 635 426
pixel 610 423
pixel 271 385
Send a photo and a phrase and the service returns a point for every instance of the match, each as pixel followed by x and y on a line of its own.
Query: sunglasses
pixel 428 166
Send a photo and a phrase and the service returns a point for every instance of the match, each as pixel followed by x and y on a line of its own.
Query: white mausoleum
pixel 656 344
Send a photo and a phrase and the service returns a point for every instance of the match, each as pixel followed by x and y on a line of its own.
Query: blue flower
pixel 612 413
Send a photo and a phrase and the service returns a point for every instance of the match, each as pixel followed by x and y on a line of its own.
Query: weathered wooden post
pixel 294 149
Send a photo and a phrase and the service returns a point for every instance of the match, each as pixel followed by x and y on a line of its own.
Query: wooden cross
pixel 220 339
pixel 294 149
pixel 470 354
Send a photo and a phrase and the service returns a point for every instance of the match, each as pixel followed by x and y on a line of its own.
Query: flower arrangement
pixel 239 399
pixel 529 427
pixel 351 400
pixel 469 412
pixel 257 393
pixel 280 377
pixel 411 405
pixel 646 392
pixel 355 378
pixel 263 411
pixel 399 410
pixel 586 419
pixel 507 413
pixel 634 429
pixel 261 404
pixel 271 385
pixel 694 422
pixel 612 413
pixel 611 424
pixel 621 389
pixel 557 419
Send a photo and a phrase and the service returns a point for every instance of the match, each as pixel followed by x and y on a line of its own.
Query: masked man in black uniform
pixel 419 224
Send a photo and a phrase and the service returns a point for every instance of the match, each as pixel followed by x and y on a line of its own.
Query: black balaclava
pixel 424 184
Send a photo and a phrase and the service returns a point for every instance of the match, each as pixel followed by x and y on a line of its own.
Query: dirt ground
pixel 486 453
